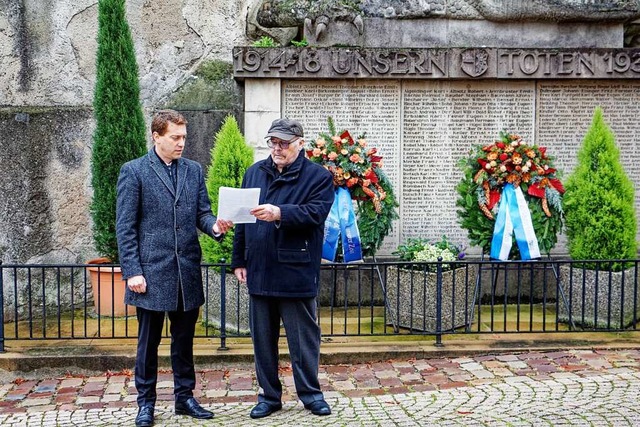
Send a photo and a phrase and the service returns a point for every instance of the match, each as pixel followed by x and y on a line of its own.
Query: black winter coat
pixel 284 260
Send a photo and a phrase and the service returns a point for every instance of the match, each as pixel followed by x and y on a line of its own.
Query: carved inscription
pixel 610 63
pixel 371 107
pixel 441 123
pixel 422 129
pixel 449 63
pixel 338 63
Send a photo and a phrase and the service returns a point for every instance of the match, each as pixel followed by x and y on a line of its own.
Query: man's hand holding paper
pixel 266 212
pixel 235 204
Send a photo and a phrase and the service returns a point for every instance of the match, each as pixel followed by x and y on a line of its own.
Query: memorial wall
pixel 424 126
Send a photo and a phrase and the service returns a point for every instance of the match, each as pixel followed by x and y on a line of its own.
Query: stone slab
pixel 423 128
pixel 407 33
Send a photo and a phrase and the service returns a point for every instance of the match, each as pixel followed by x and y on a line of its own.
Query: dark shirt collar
pixel 275 168
pixel 162 161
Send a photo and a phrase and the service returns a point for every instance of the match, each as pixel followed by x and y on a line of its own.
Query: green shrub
pixel 600 201
pixel 215 70
pixel 213 88
pixel 265 41
pixel 120 128
pixel 230 158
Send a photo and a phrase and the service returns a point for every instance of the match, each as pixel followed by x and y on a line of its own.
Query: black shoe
pixel 264 409
pixel 318 407
pixel 145 416
pixel 193 409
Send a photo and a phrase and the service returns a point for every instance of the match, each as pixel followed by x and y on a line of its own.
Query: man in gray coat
pixel 161 202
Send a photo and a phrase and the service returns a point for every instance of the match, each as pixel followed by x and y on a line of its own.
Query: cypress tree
pixel 599 201
pixel 120 129
pixel 230 158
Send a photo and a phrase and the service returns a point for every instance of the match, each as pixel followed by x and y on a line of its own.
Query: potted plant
pixel 119 137
pixel 601 225
pixel 412 286
pixel 230 158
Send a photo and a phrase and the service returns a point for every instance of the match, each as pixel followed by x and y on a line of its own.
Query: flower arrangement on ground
pixel 418 249
pixel 357 168
pixel 522 181
pixel 413 292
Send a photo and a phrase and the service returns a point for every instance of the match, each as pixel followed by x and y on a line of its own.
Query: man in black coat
pixel 161 202
pixel 279 259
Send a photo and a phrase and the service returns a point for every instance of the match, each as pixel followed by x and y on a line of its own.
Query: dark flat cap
pixel 285 129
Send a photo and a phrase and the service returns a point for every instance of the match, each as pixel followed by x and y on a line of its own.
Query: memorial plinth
pixel 425 108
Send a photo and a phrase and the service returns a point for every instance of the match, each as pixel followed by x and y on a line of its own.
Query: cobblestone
pixel 567 388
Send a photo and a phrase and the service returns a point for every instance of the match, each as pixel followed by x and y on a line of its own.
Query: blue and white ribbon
pixel 342 222
pixel 331 233
pixel 514 216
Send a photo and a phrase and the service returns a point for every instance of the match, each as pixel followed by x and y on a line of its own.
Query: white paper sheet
pixel 234 204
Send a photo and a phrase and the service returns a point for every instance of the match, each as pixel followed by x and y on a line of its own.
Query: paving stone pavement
pixel 562 388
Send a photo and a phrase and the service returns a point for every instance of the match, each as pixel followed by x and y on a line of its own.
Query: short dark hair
pixel 162 118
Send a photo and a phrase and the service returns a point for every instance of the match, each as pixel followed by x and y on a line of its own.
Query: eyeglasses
pixel 282 144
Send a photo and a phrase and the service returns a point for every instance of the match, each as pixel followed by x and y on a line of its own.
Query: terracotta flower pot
pixel 108 289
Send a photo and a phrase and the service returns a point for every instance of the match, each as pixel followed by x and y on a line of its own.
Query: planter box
pixel 411 297
pixel 609 306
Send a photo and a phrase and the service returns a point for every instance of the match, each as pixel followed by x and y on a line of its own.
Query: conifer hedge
pixel 120 129
pixel 230 158
pixel 599 201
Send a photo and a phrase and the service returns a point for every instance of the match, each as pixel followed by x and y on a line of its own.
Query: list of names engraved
pixel 422 129
pixel 441 122
pixel 359 107
pixel 565 112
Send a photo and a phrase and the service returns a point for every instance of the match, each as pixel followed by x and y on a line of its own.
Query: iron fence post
pixel 223 306
pixel 439 303
pixel 1 308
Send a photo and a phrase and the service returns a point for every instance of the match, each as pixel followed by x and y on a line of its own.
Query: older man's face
pixel 283 157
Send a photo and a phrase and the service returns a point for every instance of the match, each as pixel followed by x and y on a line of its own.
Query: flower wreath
pixel 488 169
pixel 359 169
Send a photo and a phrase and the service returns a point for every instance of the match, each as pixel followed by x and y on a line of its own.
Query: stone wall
pixel 47 76
pixel 44 184
pixel 47 49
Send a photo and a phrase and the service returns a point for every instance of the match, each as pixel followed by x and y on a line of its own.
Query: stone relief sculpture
pixel 316 15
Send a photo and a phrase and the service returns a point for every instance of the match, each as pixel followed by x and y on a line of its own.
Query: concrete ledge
pixel 116 355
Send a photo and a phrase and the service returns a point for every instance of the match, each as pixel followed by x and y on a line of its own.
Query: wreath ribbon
pixel 342 222
pixel 514 216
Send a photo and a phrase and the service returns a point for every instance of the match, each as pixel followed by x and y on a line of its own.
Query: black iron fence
pixel 60 302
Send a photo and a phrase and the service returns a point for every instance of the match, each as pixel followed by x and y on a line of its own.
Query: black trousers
pixel 303 337
pixel 182 328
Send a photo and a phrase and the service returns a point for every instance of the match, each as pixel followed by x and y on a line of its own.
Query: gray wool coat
pixel 156 227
